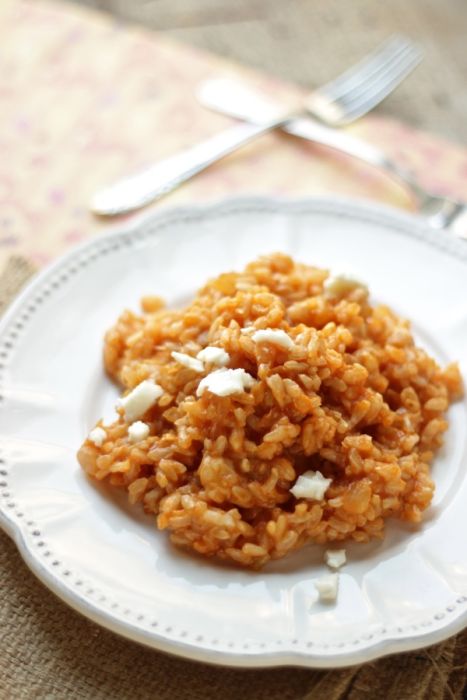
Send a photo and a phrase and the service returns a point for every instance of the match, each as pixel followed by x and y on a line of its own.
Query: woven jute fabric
pixel 50 652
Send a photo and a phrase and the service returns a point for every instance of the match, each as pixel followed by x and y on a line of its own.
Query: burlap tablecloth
pixel 134 105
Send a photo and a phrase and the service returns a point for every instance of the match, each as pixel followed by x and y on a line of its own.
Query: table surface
pixel 309 43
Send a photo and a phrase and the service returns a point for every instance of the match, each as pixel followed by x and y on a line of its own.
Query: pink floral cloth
pixel 85 100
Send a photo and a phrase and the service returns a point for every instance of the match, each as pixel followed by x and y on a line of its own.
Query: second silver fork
pixel 365 85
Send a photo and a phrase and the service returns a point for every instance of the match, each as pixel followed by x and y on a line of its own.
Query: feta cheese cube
pixel 188 361
pixel 138 431
pixel 97 436
pixel 311 485
pixel 140 399
pixel 214 356
pixel 275 336
pixel 338 285
pixel 224 382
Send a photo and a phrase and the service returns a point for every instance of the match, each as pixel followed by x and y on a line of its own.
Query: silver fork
pixel 357 91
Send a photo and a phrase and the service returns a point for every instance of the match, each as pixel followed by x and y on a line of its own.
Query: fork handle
pixel 312 130
pixel 141 188
pixel 440 212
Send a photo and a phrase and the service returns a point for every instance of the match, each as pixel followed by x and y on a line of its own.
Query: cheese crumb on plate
pixel 335 558
pixel 327 588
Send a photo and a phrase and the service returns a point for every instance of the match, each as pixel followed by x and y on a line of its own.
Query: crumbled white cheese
pixel 335 558
pixel 140 399
pixel 224 382
pixel 138 431
pixel 97 436
pixel 311 485
pixel 188 361
pixel 338 285
pixel 276 336
pixel 214 356
pixel 327 588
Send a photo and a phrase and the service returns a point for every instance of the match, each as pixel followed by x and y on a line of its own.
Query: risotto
pixel 279 408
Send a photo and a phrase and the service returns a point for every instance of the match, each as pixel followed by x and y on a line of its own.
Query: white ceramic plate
pixel 108 561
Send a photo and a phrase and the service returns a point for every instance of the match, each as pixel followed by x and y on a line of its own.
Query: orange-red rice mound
pixel 353 398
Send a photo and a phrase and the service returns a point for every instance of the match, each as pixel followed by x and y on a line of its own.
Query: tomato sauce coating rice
pixel 341 395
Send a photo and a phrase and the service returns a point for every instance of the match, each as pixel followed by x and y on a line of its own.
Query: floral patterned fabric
pixel 85 100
